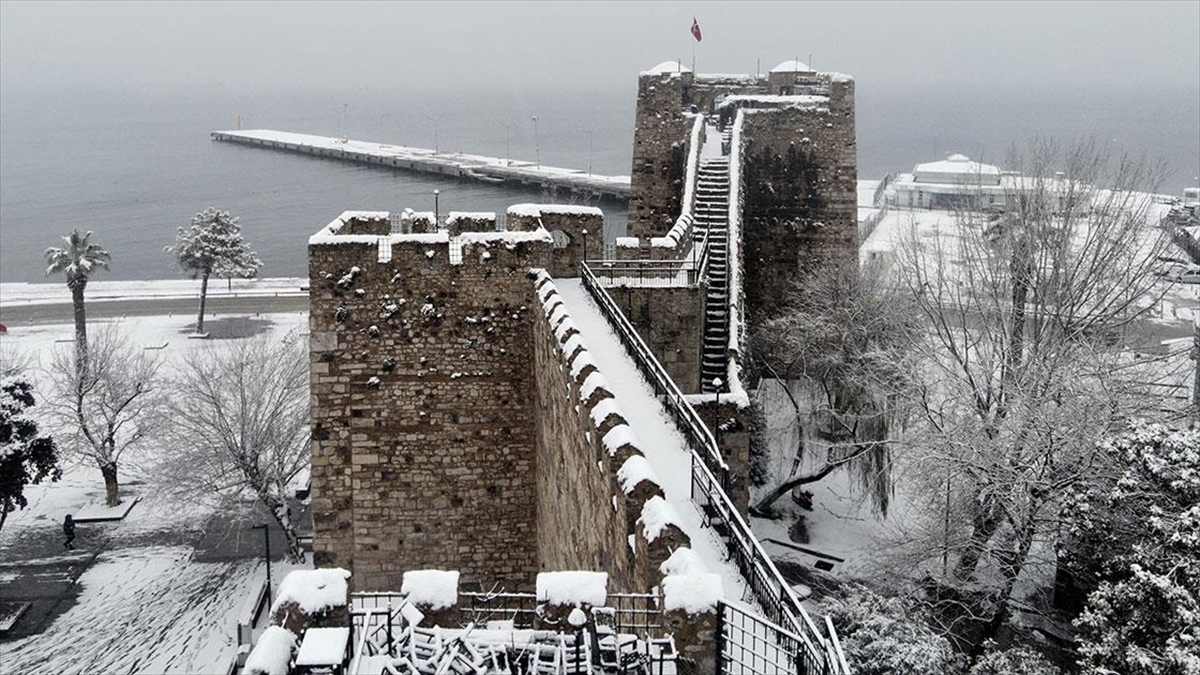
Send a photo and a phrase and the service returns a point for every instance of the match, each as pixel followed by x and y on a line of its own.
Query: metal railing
pixel 694 430
pixel 711 482
pixel 645 273
pixel 379 613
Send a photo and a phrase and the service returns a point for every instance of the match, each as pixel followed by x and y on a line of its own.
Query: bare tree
pixel 103 412
pixel 838 356
pixel 240 416
pixel 1022 363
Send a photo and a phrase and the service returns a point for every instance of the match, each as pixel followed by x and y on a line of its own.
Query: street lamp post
pixel 267 553
pixel 591 136
pixel 537 149
pixel 583 258
pixel 508 144
pixel 437 218
pixel 578 620
pixel 435 131
pixel 717 413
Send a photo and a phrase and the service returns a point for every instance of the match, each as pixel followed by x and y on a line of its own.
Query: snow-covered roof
pixel 791 67
pixel 957 164
pixel 667 67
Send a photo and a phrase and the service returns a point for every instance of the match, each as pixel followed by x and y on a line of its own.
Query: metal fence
pixel 645 273
pixel 710 491
pixel 750 644
pixel 632 613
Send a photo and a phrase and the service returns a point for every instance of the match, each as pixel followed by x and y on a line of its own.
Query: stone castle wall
pixel 671 322
pixel 591 491
pixel 800 196
pixel 659 154
pixel 458 421
pixel 422 407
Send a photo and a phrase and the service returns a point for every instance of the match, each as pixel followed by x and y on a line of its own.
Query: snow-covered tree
pixel 889 635
pixel 1020 361
pixel 111 408
pixel 78 260
pixel 1143 530
pixel 212 245
pixel 838 357
pixel 239 417
pixel 27 457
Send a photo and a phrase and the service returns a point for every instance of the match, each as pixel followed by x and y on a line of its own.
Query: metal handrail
pixel 637 272
pixel 711 483
pixel 687 420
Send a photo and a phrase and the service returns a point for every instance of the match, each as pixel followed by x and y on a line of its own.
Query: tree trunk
pixel 1010 568
pixel 203 297
pixel 984 525
pixel 283 516
pixel 77 285
pixel 760 507
pixel 109 471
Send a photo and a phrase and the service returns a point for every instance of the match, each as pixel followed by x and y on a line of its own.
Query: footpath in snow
pixel 661 442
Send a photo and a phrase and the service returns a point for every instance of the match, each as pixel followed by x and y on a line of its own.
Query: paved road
pixel 19 315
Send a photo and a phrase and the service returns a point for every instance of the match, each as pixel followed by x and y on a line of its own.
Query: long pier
pixel 501 172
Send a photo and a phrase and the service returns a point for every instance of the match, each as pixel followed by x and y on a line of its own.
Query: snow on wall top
pixel 667 67
pixel 454 216
pixel 573 588
pixel 635 470
pixel 313 590
pixel 835 76
pixel 436 589
pixel 657 514
pixel 272 654
pixel 801 101
pixel 792 67
pixel 683 561
pixel 536 210
pixel 733 371
pixel 692 593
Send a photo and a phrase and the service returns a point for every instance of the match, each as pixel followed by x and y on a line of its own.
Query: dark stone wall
pixel 423 422
pixel 660 138
pixel 671 322
pixel 800 176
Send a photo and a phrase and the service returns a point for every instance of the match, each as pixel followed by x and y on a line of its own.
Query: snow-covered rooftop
pixel 958 165
pixel 792 67
pixel 667 67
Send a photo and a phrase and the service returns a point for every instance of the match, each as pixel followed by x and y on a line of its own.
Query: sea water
pixel 136 164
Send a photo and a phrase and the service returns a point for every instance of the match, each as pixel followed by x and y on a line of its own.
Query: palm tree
pixel 79 259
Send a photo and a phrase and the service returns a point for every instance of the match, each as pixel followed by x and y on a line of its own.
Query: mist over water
pixel 134 165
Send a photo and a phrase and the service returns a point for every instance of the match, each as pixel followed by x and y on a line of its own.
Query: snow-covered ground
pixel 1178 305
pixel 99 290
pixel 138 599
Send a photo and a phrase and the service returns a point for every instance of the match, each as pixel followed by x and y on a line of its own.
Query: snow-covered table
pixel 323 648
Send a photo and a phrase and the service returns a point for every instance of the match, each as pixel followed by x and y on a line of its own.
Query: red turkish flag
pixel 695 29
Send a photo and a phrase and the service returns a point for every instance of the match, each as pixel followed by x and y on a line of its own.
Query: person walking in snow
pixel 69 530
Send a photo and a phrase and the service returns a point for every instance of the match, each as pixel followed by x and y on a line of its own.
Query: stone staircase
pixel 712 216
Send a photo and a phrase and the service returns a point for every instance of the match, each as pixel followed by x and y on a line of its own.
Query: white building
pixel 954 182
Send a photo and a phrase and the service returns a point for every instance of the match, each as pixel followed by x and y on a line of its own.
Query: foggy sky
pixel 496 45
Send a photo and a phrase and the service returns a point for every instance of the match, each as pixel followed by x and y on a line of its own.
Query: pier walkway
pixel 504 172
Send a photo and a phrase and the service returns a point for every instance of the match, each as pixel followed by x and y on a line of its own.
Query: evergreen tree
pixel 213 244
pixel 26 456
pixel 1141 532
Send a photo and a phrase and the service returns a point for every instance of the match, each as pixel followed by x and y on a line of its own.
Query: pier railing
pixel 711 483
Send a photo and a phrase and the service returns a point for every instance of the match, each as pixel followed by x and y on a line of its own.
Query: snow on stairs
pixel 712 219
